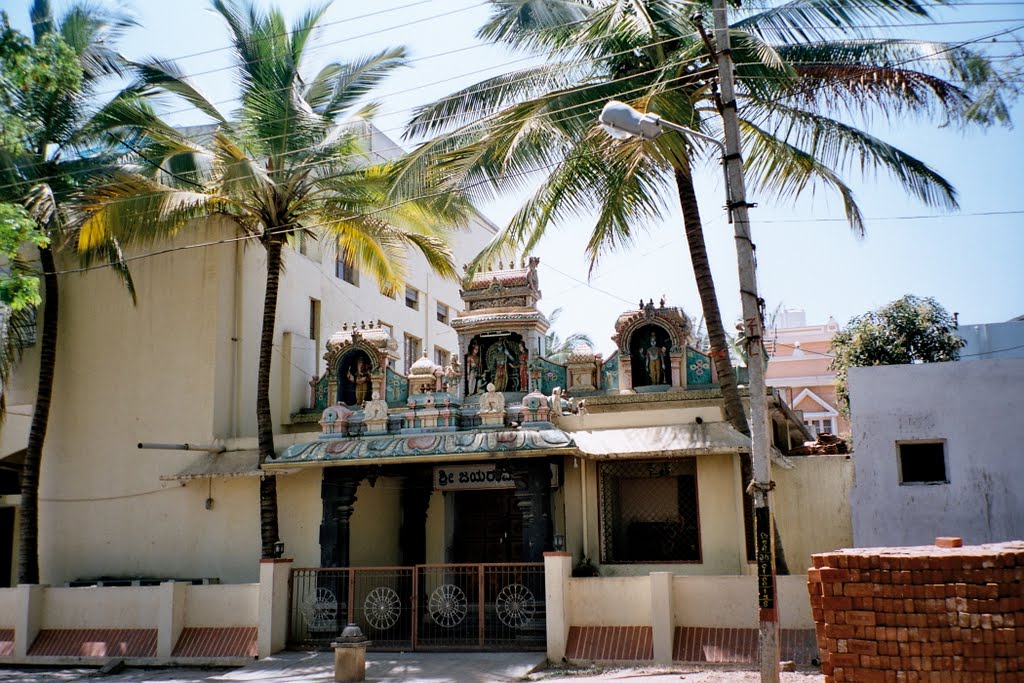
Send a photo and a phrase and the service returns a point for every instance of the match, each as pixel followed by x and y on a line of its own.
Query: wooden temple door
pixel 488 527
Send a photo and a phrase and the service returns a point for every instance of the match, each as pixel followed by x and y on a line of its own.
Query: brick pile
pixel 927 614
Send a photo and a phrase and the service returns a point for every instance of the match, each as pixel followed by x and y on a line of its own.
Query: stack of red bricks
pixel 928 614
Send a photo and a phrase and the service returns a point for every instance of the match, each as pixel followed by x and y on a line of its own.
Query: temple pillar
pixel 625 373
pixel 677 361
pixel 415 499
pixel 533 496
pixel 338 494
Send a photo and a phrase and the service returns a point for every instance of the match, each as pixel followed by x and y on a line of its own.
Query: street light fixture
pixel 623 122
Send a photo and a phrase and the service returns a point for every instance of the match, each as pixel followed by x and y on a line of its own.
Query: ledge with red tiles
pixel 94 642
pixel 238 641
pixel 610 643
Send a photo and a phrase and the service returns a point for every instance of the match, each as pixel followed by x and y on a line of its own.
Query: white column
pixel 557 570
pixel 29 616
pixel 171 617
pixel 273 611
pixel 662 627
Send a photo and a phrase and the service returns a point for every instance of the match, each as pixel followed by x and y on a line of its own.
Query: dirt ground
pixel 672 675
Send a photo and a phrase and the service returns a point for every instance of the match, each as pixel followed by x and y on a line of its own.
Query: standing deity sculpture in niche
pixel 524 367
pixel 654 355
pixel 503 365
pixel 355 382
pixel 649 348
pixel 473 369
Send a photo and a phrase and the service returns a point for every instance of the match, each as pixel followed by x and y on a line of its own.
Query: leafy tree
pixel 801 66
pixel 909 330
pixel 281 166
pixel 55 135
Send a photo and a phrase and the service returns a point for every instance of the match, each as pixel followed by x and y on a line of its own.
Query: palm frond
pixel 166 76
pixel 133 209
pixel 840 146
pixel 345 84
pixel 803 21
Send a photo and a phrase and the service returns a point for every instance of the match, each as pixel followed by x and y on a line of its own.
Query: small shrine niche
pixel 501 359
pixel 652 344
pixel 357 357
pixel 649 350
pixel 355 378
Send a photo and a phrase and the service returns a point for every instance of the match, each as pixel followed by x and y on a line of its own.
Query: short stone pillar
pixel 350 655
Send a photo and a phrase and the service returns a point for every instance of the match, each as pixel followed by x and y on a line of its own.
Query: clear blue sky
pixel 807 258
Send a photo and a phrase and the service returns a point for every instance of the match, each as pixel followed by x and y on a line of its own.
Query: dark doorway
pixel 488 527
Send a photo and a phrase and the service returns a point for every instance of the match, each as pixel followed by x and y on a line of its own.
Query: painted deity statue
pixel 499 358
pixel 654 356
pixel 524 367
pixel 360 377
pixel 472 369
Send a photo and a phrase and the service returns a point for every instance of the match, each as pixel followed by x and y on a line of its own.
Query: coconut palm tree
pixel 56 134
pixel 801 68
pixel 280 167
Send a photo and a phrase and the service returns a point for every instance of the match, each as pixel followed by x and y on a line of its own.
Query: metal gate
pixel 425 607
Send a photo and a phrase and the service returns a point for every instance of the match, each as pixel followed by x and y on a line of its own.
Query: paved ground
pixel 382 667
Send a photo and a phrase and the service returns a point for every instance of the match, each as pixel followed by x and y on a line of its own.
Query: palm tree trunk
pixel 264 419
pixel 28 532
pixel 734 413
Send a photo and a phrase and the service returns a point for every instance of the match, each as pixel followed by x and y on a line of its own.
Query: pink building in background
pixel 798 365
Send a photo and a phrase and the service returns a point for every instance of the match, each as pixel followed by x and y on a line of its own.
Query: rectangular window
pixel 314 319
pixel 388 327
pixel 442 313
pixel 923 462
pixel 413 349
pixel 649 511
pixel 345 269
pixel 441 357
pixel 826 426
pixel 412 298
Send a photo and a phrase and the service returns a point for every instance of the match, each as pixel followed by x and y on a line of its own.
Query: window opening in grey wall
pixel 922 462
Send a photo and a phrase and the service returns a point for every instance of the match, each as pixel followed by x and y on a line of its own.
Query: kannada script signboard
pixel 483 476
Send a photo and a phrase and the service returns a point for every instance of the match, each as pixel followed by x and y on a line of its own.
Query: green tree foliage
pixel 56 134
pixel 909 330
pixel 807 72
pixel 290 162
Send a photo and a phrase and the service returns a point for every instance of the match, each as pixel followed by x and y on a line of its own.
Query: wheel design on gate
pixel 382 607
pixel 447 605
pixel 515 605
pixel 322 610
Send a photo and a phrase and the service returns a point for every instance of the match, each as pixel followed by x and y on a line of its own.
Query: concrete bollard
pixel 350 655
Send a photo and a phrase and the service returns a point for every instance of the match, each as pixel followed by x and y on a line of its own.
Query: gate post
pixel 662 628
pixel 557 569
pixel 272 630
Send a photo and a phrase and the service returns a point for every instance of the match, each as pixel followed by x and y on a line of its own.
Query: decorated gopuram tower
pixel 501 332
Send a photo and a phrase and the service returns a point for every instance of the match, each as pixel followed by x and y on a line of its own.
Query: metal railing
pixel 425 607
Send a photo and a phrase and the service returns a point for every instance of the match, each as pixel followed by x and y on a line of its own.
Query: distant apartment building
pixel 798 366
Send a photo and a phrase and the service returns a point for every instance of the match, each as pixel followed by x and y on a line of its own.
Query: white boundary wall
pixel 167 608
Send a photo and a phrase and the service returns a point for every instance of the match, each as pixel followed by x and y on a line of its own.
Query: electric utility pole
pixel 768 612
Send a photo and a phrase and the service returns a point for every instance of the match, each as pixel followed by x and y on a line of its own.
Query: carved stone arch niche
pixel 652 348
pixel 499 358
pixel 355 372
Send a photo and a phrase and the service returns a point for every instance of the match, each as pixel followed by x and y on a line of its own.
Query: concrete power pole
pixel 768 612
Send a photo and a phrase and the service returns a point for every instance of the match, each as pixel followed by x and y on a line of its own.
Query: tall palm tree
pixel 57 135
pixel 280 166
pixel 802 66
